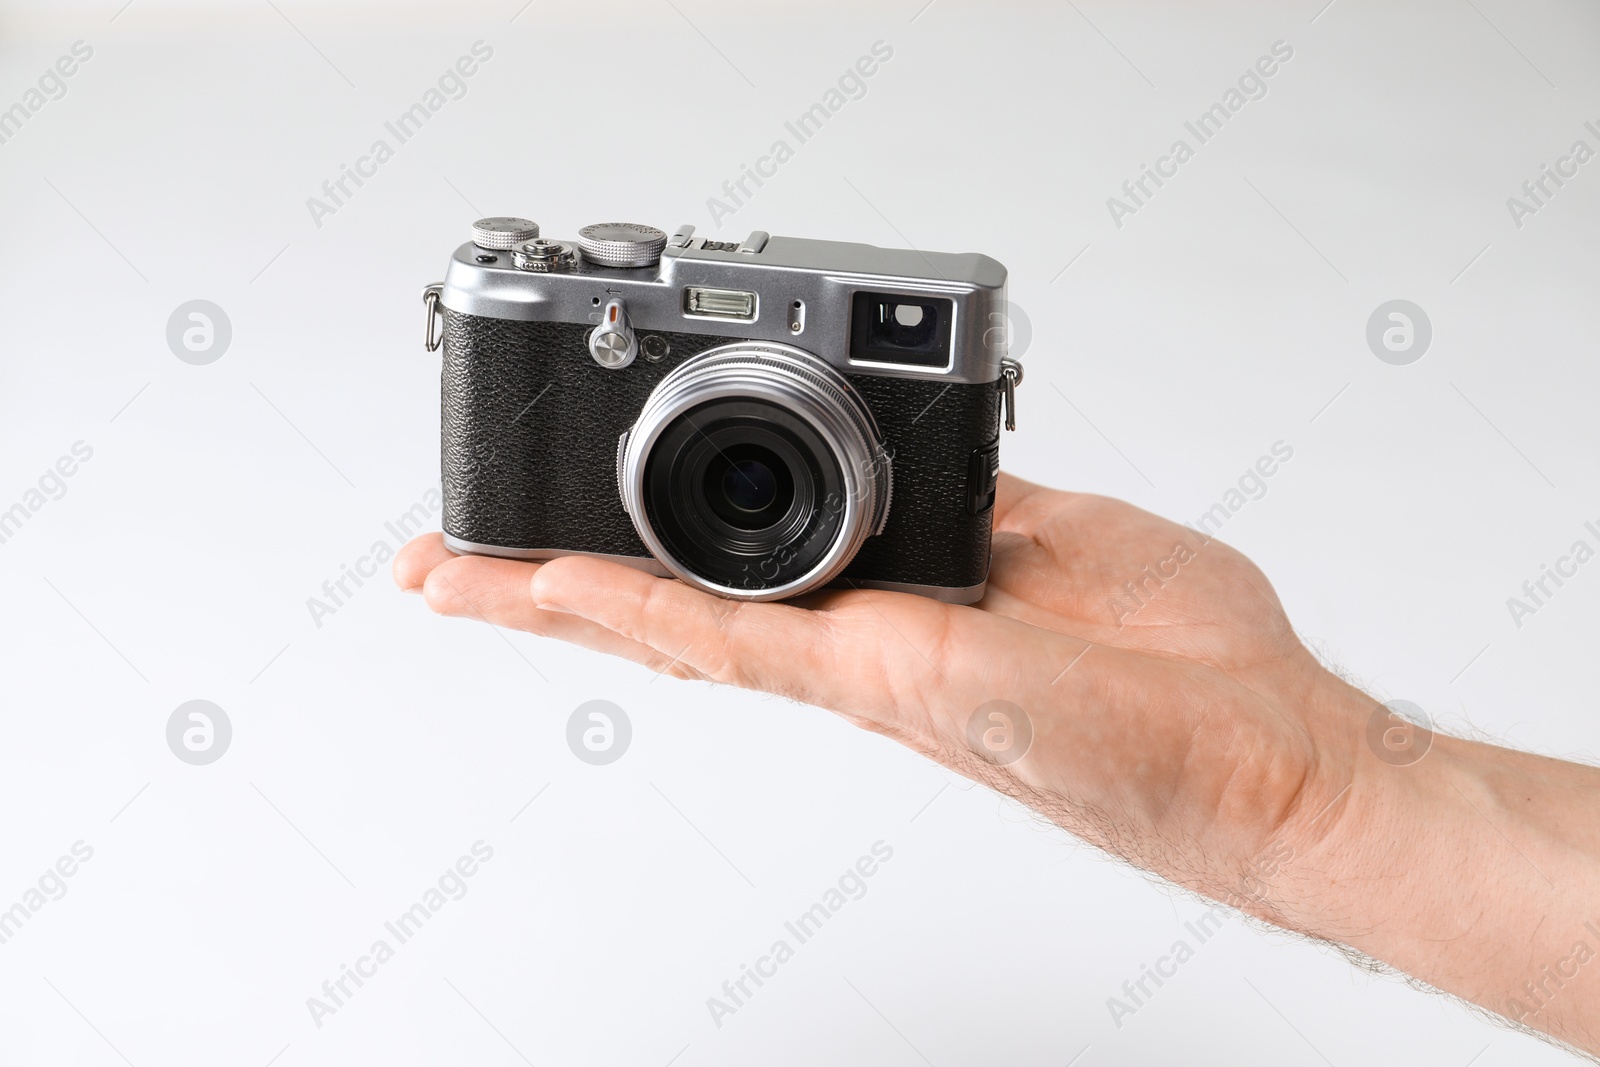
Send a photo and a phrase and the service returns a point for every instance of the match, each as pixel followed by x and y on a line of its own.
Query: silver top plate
pixel 822 276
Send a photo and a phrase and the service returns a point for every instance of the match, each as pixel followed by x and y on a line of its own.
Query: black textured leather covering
pixel 529 434
pixel 931 429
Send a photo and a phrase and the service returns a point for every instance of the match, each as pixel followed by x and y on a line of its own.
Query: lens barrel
pixel 754 471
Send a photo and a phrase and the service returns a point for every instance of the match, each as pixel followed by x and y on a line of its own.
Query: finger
pixel 413 562
pixel 890 657
pixel 496 591
pixel 902 665
pixel 727 640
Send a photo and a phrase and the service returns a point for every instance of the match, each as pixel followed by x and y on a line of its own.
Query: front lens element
pixel 743 493
pixel 754 471
pixel 749 487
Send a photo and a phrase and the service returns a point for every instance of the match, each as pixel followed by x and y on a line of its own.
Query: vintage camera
pixel 758 418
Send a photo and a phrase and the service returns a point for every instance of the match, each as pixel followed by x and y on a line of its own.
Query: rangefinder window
pixel 910 330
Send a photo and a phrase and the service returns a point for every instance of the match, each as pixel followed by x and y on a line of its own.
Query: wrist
pixel 1460 863
pixel 1338 810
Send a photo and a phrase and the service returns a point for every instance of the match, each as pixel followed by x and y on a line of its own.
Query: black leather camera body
pixel 759 419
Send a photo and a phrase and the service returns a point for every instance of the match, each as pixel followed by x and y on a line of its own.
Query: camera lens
pixel 754 471
pixel 748 487
pixel 741 492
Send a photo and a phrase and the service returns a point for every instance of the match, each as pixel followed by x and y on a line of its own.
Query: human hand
pixel 1176 720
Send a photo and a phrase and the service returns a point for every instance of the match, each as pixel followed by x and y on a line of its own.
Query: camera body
pixel 758 418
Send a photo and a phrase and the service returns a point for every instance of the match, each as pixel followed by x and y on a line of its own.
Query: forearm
pixel 1475 869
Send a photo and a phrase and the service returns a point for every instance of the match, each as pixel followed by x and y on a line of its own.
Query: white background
pixel 370 752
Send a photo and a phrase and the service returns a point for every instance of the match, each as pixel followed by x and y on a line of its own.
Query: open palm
pixel 1165 709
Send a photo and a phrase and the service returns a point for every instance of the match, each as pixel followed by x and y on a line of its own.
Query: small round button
pixel 622 244
pixel 654 348
pixel 501 233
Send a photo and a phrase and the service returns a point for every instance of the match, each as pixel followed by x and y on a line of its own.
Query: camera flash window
pixel 719 303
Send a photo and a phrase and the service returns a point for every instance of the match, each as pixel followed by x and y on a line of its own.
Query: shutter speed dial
pixel 622 244
pixel 612 343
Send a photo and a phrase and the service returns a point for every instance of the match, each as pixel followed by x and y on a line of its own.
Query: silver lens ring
pixel 807 388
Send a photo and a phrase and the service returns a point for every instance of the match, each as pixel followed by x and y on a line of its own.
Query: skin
pixel 1177 721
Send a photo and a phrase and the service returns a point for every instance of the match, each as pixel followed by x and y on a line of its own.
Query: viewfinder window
pixel 894 328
